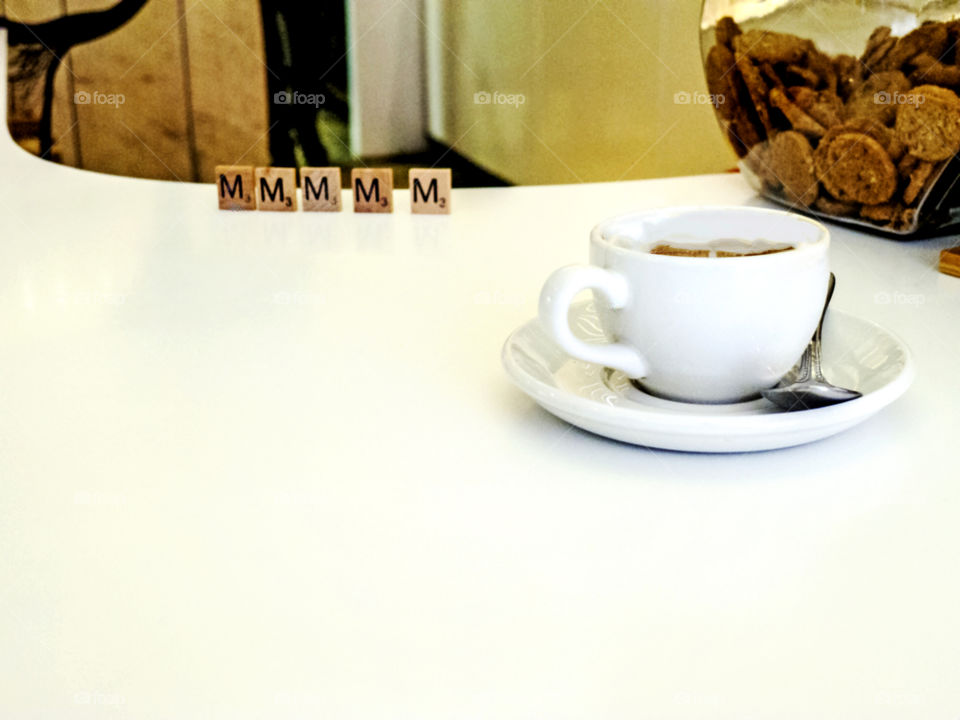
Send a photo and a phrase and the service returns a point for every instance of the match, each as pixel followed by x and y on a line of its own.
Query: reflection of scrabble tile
pixel 950 261
pixel 372 190
pixel 321 189
pixel 276 188
pixel 235 187
pixel 430 191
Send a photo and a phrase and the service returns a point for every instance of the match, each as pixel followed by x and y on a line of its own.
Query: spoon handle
pixel 803 369
pixel 815 343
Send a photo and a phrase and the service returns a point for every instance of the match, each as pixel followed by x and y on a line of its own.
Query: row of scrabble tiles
pixel 244 187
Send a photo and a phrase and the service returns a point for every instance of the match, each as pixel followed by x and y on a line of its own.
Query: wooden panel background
pixel 193 79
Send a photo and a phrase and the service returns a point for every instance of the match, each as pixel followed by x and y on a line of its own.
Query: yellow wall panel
pixel 599 83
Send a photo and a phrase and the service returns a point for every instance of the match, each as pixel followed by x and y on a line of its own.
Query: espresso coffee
pixel 721 247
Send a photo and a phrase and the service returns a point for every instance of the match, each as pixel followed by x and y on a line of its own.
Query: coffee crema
pixel 721 247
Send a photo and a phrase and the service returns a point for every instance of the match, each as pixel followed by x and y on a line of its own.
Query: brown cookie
pixel 891 215
pixel 759 162
pixel 881 212
pixel 930 71
pixel 881 133
pixel 879 45
pixel 906 219
pixel 756 87
pixel 849 73
pixel 740 120
pixel 953 39
pixel 928 122
pixel 822 65
pixel 906 164
pixel 876 61
pixel 879 35
pixel 743 131
pixel 854 167
pixel 726 31
pixel 798 119
pixel 931 38
pixel 799 75
pixel 823 106
pixel 919 175
pixel 876 97
pixel 770 76
pixel 829 206
pixel 772 47
pixel 721 79
pixel 734 133
pixel 791 159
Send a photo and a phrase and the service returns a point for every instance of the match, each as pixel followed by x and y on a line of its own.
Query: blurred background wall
pixel 166 94
pixel 605 88
pixel 504 92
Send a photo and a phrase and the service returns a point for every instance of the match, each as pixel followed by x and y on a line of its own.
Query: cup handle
pixel 555 298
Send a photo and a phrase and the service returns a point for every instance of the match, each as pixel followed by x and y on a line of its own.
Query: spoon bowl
pixel 807 388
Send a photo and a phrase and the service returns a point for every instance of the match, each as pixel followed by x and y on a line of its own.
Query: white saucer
pixel 856 353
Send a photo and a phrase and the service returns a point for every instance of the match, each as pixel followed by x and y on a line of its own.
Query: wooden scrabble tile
pixel 235 187
pixel 950 261
pixel 372 190
pixel 321 189
pixel 430 191
pixel 276 188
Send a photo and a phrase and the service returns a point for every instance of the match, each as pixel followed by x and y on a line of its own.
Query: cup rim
pixel 597 236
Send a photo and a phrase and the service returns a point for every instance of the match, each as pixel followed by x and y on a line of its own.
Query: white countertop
pixel 267 465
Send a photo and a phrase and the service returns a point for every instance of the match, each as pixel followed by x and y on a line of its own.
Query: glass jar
pixel 843 109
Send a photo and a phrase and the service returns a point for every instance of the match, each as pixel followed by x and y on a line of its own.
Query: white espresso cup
pixel 696 329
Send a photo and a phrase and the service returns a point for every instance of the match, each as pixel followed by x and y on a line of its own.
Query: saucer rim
pixel 709 424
